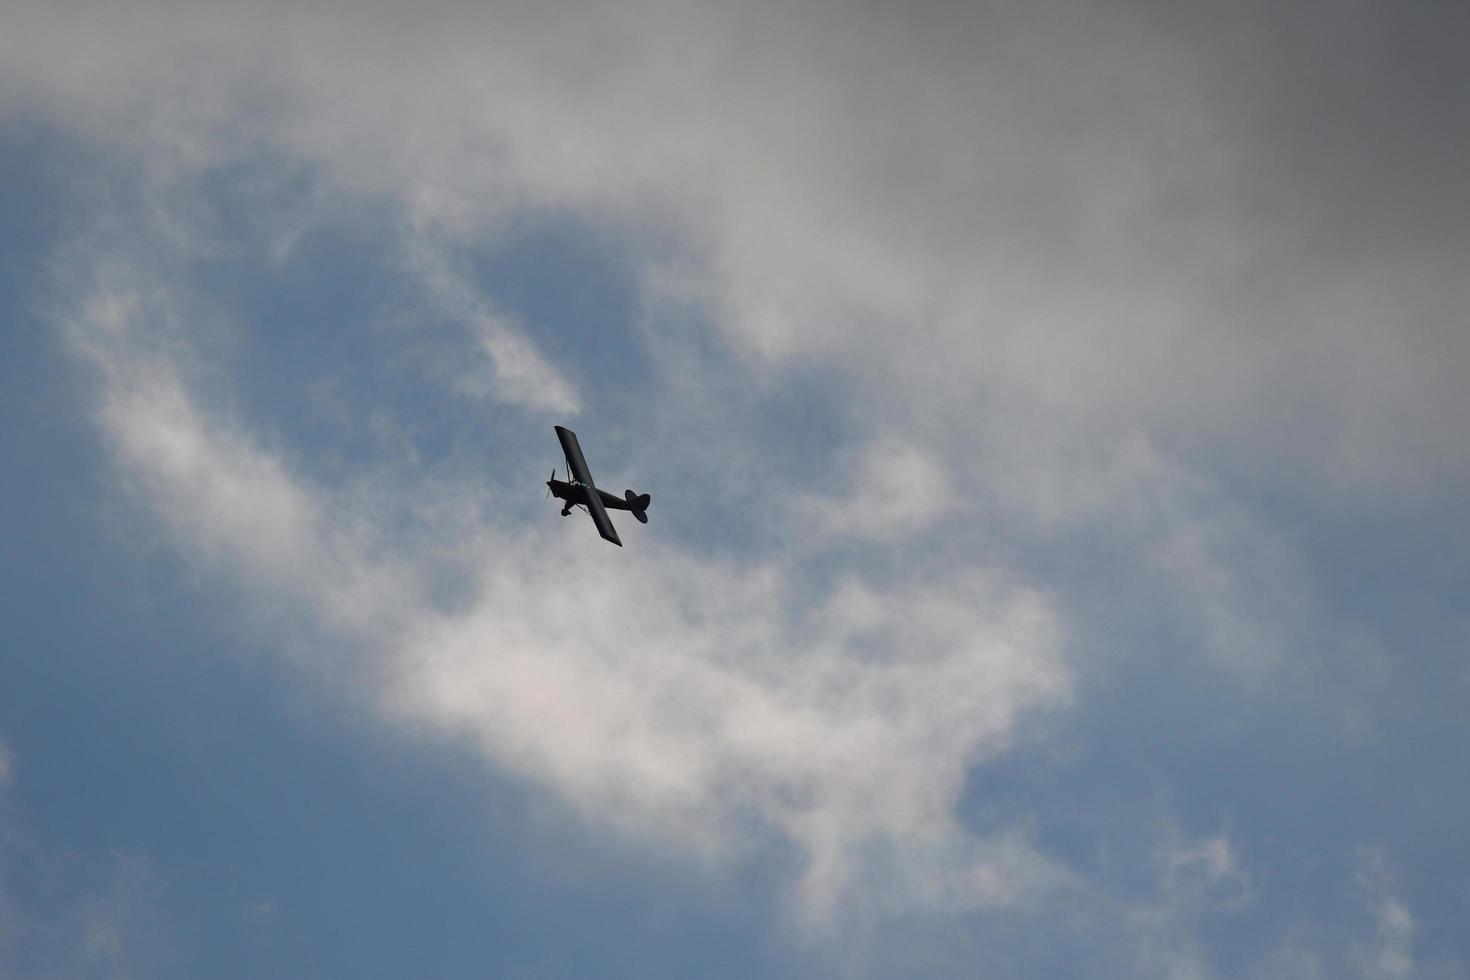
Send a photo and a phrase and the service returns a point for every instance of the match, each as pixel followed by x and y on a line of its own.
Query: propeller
pixel 548 482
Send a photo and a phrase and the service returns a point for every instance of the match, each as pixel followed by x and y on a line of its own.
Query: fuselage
pixel 575 493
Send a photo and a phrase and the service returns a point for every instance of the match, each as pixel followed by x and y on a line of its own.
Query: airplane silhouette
pixel 580 491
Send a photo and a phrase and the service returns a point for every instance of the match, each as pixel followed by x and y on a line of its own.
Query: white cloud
pixel 676 699
pixel 1208 871
pixel 1389 955
pixel 517 373
pixel 1212 855
pixel 1036 242
pixel 1206 878
pixel 683 698
pixel 116 924
pixel 896 491
pixel 1199 880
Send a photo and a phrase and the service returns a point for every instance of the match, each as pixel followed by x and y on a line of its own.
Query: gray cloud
pixel 1100 223
pixel 1090 266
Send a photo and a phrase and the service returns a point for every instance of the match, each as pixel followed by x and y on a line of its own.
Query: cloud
pixel 897 491
pixel 1209 869
pixel 1064 251
pixel 237 501
pixel 58 920
pixel 116 923
pixel 1086 273
pixel 1390 954
pixel 675 699
pixel 518 374
pixel 685 699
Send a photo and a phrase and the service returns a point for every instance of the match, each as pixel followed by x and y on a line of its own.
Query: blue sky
pixel 1057 551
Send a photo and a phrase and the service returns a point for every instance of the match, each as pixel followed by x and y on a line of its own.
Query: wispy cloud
pixel 673 698
pixel 511 370
pixel 54 922
pixel 896 490
pixel 1389 955
pixel 1094 278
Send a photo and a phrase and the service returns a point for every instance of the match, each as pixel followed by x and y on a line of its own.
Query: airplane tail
pixel 638 504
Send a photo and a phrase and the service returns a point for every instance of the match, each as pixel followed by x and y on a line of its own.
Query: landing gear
pixel 566 512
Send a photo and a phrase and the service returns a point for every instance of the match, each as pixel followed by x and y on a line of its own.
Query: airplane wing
pixel 578 467
pixel 600 518
pixel 572 450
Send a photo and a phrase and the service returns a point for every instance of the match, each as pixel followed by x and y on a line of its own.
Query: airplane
pixel 580 491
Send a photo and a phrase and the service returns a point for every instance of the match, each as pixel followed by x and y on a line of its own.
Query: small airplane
pixel 580 491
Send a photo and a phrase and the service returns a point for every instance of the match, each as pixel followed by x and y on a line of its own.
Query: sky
pixel 1053 417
